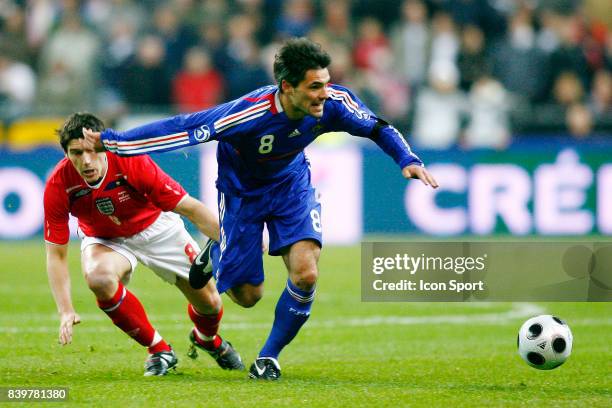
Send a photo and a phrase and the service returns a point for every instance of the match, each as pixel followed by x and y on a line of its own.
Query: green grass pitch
pixel 349 353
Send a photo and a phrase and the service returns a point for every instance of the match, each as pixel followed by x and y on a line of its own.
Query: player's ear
pixel 286 86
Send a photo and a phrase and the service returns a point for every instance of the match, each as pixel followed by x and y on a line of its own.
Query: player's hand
pixel 67 320
pixel 92 140
pixel 418 172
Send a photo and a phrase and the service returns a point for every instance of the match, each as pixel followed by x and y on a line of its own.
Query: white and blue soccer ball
pixel 545 342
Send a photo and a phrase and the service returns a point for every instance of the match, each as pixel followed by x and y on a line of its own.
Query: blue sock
pixel 292 311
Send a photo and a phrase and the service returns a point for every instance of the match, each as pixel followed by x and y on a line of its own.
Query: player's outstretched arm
pixel 200 215
pixel 352 116
pixel 416 171
pixel 59 280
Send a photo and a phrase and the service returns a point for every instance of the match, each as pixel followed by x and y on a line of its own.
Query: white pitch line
pixel 518 311
pixel 28 318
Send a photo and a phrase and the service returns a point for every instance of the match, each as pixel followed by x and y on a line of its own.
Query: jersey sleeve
pixel 218 123
pixel 352 116
pixel 149 179
pixel 56 211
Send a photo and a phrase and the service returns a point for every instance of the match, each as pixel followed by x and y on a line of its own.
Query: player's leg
pixel 293 307
pixel 169 250
pixel 297 236
pixel 237 261
pixel 205 310
pixel 106 268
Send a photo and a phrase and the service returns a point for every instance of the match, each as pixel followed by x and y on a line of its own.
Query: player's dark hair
pixel 297 56
pixel 73 127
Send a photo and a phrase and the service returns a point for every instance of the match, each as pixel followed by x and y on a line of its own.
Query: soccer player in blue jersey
pixel 264 178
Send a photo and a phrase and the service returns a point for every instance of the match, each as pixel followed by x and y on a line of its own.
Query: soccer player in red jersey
pixel 128 211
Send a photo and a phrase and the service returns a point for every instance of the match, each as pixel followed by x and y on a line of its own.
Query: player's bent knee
pixel 101 280
pixel 249 300
pixel 100 277
pixel 215 302
pixel 208 305
pixel 245 299
pixel 211 304
pixel 306 278
pixel 205 301
pixel 246 303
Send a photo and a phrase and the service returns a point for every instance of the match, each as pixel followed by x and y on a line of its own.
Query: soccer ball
pixel 544 342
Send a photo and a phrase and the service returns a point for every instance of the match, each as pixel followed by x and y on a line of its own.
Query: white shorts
pixel 165 247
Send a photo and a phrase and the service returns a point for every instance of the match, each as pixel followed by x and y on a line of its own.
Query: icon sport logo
pixel 202 134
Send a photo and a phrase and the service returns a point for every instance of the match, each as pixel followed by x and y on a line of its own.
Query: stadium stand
pixel 505 68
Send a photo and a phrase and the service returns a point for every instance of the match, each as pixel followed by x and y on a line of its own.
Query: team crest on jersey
pixel 105 205
pixel 202 133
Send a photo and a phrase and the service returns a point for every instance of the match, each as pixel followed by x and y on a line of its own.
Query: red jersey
pixel 130 197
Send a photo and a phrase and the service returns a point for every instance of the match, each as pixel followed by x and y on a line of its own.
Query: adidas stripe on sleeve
pixel 184 130
pixel 352 116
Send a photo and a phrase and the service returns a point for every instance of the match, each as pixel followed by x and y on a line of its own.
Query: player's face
pixel 90 164
pixel 309 96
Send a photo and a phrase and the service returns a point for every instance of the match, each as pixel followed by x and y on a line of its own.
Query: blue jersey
pixel 259 146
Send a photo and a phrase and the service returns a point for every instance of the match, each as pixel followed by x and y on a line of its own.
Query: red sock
pixel 126 311
pixel 207 325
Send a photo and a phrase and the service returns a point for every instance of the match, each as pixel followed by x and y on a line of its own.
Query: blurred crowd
pixel 449 72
